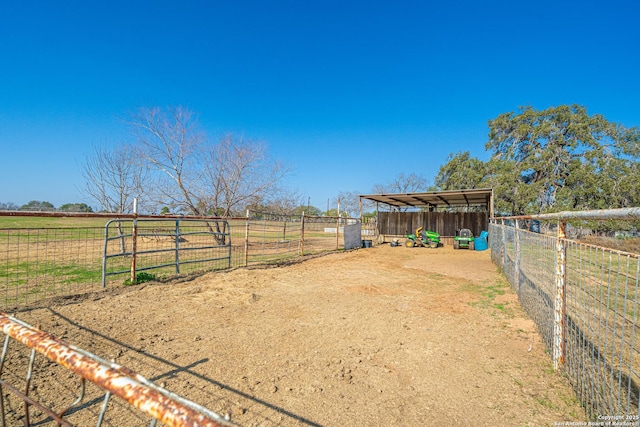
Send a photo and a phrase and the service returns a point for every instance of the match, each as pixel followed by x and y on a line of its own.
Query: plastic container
pixel 481 243
pixel 484 235
pixel 366 243
pixel 535 226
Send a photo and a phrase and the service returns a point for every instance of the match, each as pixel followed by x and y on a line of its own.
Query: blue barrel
pixel 480 243
pixel 535 226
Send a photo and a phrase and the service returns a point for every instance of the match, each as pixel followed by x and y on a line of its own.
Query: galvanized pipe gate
pixel 176 242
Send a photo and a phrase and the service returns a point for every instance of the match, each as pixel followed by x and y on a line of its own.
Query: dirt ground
pixel 379 336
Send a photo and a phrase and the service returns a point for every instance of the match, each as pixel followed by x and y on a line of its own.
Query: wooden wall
pixel 444 223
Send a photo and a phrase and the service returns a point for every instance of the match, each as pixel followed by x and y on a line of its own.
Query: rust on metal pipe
pixel 116 379
pixel 602 214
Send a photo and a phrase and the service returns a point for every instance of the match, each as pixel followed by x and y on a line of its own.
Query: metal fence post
pixel 302 234
pixel 104 255
pixel 559 317
pixel 177 246
pixel 246 241
pixel 516 261
pixel 503 249
pixel 134 241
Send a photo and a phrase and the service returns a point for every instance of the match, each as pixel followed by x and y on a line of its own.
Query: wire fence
pixel 44 256
pixel 51 255
pixel 584 301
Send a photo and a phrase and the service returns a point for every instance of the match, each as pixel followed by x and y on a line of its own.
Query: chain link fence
pixel 584 301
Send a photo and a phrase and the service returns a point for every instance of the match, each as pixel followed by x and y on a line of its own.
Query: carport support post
pixel 560 309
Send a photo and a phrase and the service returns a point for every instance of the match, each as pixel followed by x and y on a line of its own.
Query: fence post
pixel 302 234
pixel 104 256
pixel 516 261
pixel 246 241
pixel 134 241
pixel 503 249
pixel 559 317
pixel 177 233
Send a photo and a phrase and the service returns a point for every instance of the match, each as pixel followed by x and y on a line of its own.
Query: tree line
pixel 559 158
pixel 44 206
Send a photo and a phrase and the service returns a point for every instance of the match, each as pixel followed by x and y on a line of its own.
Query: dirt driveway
pixel 380 336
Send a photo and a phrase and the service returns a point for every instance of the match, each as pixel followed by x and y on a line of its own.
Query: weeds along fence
pixel 43 255
pixel 584 299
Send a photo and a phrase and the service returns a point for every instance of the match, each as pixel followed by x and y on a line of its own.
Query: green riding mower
pixel 463 239
pixel 422 238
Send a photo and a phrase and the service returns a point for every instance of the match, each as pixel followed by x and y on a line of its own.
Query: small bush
pixel 140 278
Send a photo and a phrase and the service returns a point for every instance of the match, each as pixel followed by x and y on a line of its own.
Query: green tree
pixel 331 212
pixel 36 205
pixel 560 158
pixel 462 171
pixel 75 207
pixel 556 159
pixel 308 210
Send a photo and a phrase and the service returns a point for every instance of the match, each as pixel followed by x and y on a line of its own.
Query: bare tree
pixel 169 143
pixel 113 178
pixel 281 202
pixel 239 173
pixel 8 206
pixel 350 203
pixel 411 183
pixel 196 175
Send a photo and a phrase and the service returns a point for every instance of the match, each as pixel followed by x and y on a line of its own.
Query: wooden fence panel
pixel 444 223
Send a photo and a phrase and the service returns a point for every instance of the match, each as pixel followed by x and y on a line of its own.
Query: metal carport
pixel 440 211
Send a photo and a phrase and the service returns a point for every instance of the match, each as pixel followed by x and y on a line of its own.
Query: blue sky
pixel 348 93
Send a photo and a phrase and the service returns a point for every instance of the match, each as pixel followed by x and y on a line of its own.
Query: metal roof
pixel 435 199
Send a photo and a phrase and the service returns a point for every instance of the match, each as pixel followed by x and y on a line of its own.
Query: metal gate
pixel 167 246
